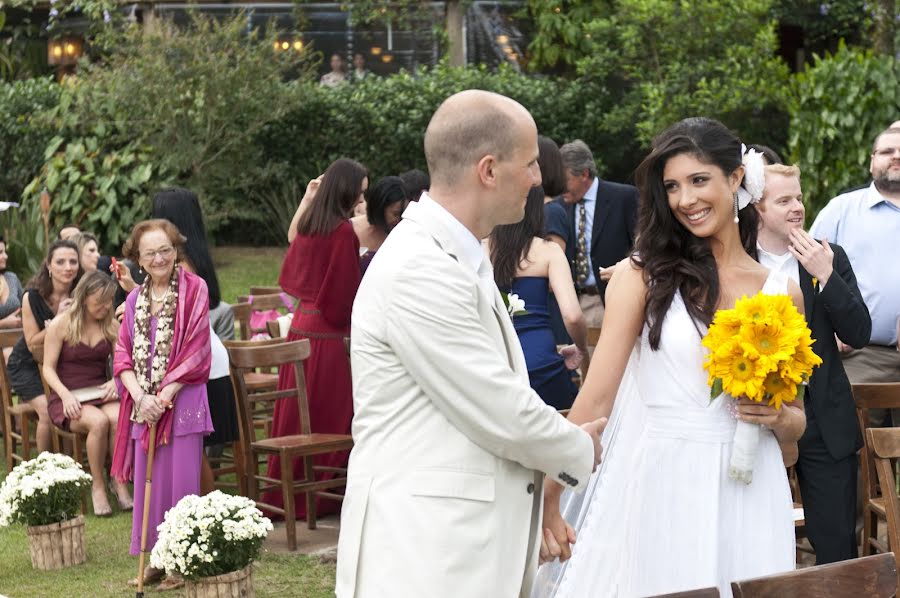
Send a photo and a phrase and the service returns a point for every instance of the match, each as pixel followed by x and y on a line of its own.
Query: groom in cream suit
pixel 451 443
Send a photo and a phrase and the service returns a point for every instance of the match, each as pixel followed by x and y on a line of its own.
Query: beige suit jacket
pixel 444 490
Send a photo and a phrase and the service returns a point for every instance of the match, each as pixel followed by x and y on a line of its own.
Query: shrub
pixel 838 106
pixel 23 134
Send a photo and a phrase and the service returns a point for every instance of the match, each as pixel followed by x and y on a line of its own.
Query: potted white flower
pixel 45 494
pixel 211 541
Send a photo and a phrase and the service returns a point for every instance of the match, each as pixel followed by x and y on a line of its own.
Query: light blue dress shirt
pixel 867 226
pixel 590 203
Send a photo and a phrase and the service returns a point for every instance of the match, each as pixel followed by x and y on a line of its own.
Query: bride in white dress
pixel 661 514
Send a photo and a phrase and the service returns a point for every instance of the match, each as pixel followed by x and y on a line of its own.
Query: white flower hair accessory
pixel 751 190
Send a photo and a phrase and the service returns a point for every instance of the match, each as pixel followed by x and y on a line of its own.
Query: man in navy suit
pixel 827 465
pixel 602 218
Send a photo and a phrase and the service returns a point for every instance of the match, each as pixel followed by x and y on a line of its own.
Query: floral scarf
pixel 187 359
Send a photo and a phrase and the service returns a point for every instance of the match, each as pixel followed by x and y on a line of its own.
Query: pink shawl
pixel 188 363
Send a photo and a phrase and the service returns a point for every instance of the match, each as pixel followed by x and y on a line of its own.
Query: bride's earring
pixel 736 219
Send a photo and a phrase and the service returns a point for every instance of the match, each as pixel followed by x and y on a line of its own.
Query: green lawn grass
pixel 109 565
pixel 240 267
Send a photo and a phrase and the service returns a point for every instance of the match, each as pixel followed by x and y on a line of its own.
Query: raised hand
pixel 816 257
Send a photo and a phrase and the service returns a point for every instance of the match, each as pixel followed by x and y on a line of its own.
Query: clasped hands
pixel 151 407
pixel 558 536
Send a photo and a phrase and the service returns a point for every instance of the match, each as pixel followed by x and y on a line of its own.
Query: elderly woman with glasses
pixel 161 366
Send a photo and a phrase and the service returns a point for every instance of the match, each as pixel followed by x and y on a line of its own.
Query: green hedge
pixel 23 137
pixel 839 105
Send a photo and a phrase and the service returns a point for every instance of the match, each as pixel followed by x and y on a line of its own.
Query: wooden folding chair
pixel 872 576
pixel 18 441
pixel 305 445
pixel 884 446
pixel 256 381
pixel 867 397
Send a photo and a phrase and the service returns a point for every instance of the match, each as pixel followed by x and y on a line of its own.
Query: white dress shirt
pixel 785 263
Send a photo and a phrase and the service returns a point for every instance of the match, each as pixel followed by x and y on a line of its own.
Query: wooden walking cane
pixel 145 520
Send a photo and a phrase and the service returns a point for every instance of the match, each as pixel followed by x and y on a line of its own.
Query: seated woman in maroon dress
pixel 76 352
pixel 321 269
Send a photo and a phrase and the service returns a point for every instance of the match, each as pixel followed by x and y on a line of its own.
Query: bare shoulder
pixel 627 281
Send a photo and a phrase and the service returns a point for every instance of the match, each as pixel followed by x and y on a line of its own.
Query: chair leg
pixel 9 445
pixel 290 511
pixel 310 476
pixel 25 426
pixel 252 475
pixel 240 469
pixel 867 531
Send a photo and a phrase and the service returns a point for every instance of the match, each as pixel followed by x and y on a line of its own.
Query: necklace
pixel 159 299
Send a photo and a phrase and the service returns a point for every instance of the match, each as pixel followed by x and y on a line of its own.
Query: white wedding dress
pixel 661 514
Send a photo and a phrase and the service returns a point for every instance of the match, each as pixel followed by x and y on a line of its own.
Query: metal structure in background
pixel 490 28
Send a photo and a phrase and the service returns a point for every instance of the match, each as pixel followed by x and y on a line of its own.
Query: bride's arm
pixel 622 324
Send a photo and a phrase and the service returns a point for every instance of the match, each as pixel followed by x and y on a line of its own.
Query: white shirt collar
pixel 470 247
pixel 773 256
pixel 591 194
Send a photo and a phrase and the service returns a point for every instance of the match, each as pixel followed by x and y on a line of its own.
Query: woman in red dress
pixel 321 269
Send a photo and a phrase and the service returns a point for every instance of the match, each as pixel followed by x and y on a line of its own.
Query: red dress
pixel 323 272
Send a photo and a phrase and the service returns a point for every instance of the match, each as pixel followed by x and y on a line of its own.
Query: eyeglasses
pixel 163 252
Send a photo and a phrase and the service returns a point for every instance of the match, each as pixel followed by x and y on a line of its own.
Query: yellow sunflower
pixel 778 390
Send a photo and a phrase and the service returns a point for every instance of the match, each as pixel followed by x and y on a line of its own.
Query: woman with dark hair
pixel 181 207
pixel 76 355
pixel 48 294
pixel 321 269
pixel 88 250
pixel 11 293
pixel 530 267
pixel 384 207
pixel 667 446
pixel 416 183
pixel 161 366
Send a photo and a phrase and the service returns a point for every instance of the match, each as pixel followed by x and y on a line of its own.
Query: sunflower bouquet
pixel 761 349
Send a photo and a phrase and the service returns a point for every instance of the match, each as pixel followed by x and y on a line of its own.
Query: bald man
pixel 450 441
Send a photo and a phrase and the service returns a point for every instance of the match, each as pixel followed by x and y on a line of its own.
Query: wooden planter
pixel 237 584
pixel 57 545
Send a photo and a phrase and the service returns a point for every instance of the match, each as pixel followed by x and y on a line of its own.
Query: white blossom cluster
pixel 200 529
pixel 30 483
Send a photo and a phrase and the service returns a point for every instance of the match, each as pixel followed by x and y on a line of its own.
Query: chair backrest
pixel 247 356
pixel 8 338
pixel 884 446
pixel 701 593
pixel 263 308
pixel 242 312
pixel 273 327
pixel 872 396
pixel 38 354
pixel 265 290
pixel 871 576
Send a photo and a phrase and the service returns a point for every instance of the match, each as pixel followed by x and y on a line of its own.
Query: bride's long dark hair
pixel 672 258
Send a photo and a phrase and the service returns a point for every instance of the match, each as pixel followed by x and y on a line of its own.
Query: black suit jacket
pixel 612 235
pixel 836 309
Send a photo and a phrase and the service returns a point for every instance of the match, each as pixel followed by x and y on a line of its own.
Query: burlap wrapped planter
pixel 57 545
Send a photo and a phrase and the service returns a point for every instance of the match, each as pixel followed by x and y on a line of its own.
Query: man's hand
pixel 815 256
pixel 558 535
pixel 595 429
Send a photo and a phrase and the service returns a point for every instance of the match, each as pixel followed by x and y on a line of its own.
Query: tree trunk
pixel 885 15
pixel 456 33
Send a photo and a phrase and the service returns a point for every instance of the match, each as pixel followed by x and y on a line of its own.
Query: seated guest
pixel 827 464
pixel 47 295
pixel 161 366
pixel 76 351
pixel 530 266
pixel 387 200
pixel 416 183
pixel 181 207
pixel 602 218
pixel 11 292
